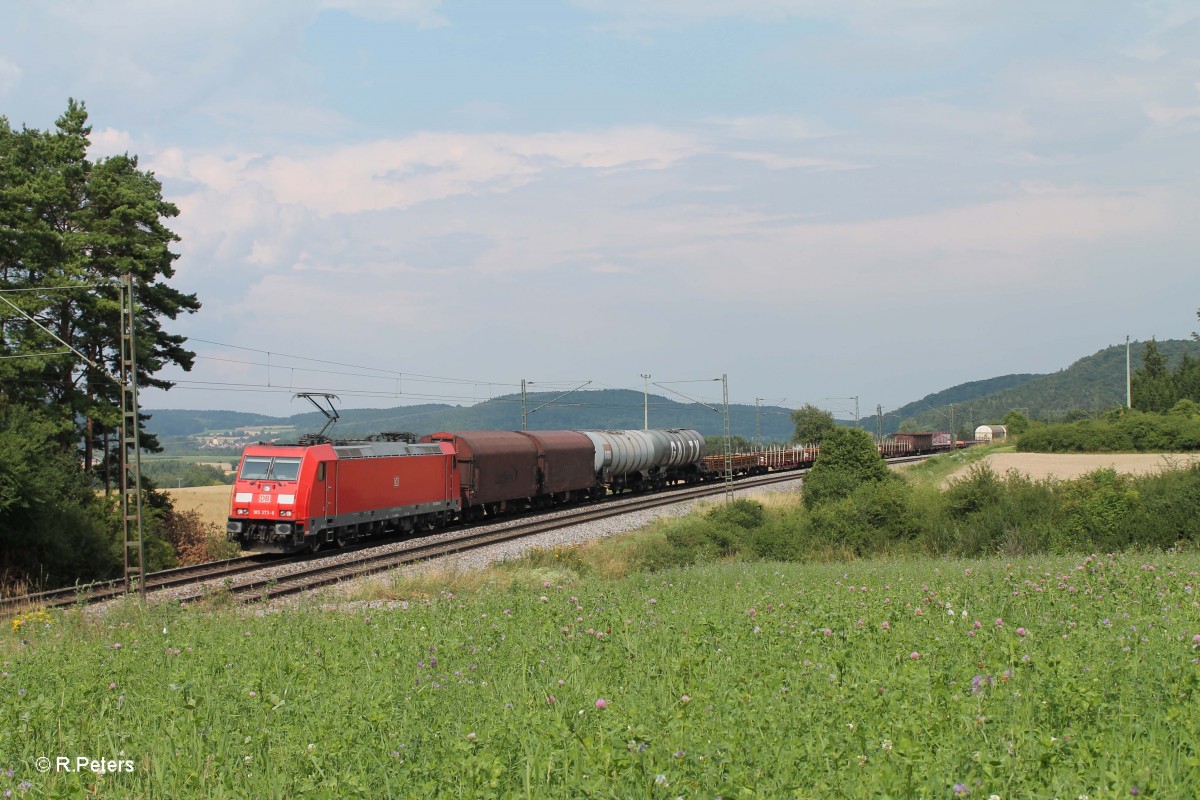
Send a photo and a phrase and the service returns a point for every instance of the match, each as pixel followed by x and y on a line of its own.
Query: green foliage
pixel 848 459
pixel 1016 423
pixel 741 513
pixel 1152 386
pixel 715 445
pixel 1101 509
pixel 876 517
pixel 720 533
pixel 1121 432
pixel 72 228
pixel 812 425
pixel 53 528
pixel 980 514
pixel 986 513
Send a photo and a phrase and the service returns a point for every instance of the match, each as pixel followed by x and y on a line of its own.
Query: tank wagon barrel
pixel 631 459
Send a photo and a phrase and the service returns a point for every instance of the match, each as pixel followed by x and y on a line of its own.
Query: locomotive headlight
pixel 243 511
pixel 285 513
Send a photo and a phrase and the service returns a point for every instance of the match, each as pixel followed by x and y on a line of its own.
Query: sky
pixel 430 200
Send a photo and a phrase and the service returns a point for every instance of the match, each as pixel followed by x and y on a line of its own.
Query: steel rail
pixel 162 579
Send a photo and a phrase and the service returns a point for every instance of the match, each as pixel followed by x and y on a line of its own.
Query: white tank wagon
pixel 629 460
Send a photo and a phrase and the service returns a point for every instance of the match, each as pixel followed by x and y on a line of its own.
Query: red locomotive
pixel 295 497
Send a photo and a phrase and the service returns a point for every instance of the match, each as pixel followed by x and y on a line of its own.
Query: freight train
pixel 289 498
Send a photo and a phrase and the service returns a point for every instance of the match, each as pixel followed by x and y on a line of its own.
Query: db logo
pixel 264 498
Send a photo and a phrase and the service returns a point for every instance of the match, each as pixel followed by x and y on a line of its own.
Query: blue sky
pixel 879 199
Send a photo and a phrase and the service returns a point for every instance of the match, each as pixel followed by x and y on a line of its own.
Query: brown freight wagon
pixel 496 468
pixel 566 465
pixel 919 442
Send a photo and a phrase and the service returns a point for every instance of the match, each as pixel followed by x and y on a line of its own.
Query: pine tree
pixel 77 226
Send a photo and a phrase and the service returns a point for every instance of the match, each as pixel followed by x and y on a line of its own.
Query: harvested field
pixel 211 501
pixel 1047 465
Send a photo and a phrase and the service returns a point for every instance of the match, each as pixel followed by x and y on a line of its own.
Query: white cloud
pixel 110 142
pixel 400 173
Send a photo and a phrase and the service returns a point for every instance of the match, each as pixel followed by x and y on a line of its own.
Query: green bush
pixel 656 553
pixel 1101 507
pixel 988 514
pixel 875 518
pixel 741 513
pixel 720 533
pixel 1168 511
pixel 1121 432
pixel 778 539
pixel 848 459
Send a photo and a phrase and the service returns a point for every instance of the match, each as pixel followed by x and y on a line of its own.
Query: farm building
pixel 990 433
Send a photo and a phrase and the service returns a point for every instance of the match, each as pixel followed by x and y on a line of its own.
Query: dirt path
pixel 1046 465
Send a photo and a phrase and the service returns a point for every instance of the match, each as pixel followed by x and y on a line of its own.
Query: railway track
pixel 164 579
pixel 322 575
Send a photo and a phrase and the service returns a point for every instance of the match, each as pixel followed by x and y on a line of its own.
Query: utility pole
pixel 728 453
pixel 879 422
pixel 131 451
pixel 524 414
pixel 757 420
pixel 645 400
pixel 1128 379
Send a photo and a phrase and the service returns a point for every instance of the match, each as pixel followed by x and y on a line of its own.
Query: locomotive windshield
pixel 258 468
pixel 285 469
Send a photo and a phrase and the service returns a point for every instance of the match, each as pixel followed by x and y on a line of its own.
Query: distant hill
pixel 169 422
pixel 610 408
pixel 1090 386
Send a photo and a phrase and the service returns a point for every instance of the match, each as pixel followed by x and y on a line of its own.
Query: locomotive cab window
pixel 321 471
pixel 259 468
pixel 255 469
pixel 285 469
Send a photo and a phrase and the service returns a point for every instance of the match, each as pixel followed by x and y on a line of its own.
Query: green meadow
pixel 1037 677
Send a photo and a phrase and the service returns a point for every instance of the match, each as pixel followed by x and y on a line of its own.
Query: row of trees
pixel 70 228
pixel 1158 389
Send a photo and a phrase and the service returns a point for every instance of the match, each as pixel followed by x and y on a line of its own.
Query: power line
pixel 62 288
pixel 397 373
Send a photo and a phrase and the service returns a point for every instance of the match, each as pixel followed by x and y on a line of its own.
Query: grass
pixel 1048 677
pixel 935 471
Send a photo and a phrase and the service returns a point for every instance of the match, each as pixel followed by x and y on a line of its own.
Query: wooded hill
pixel 604 409
pixel 1091 385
